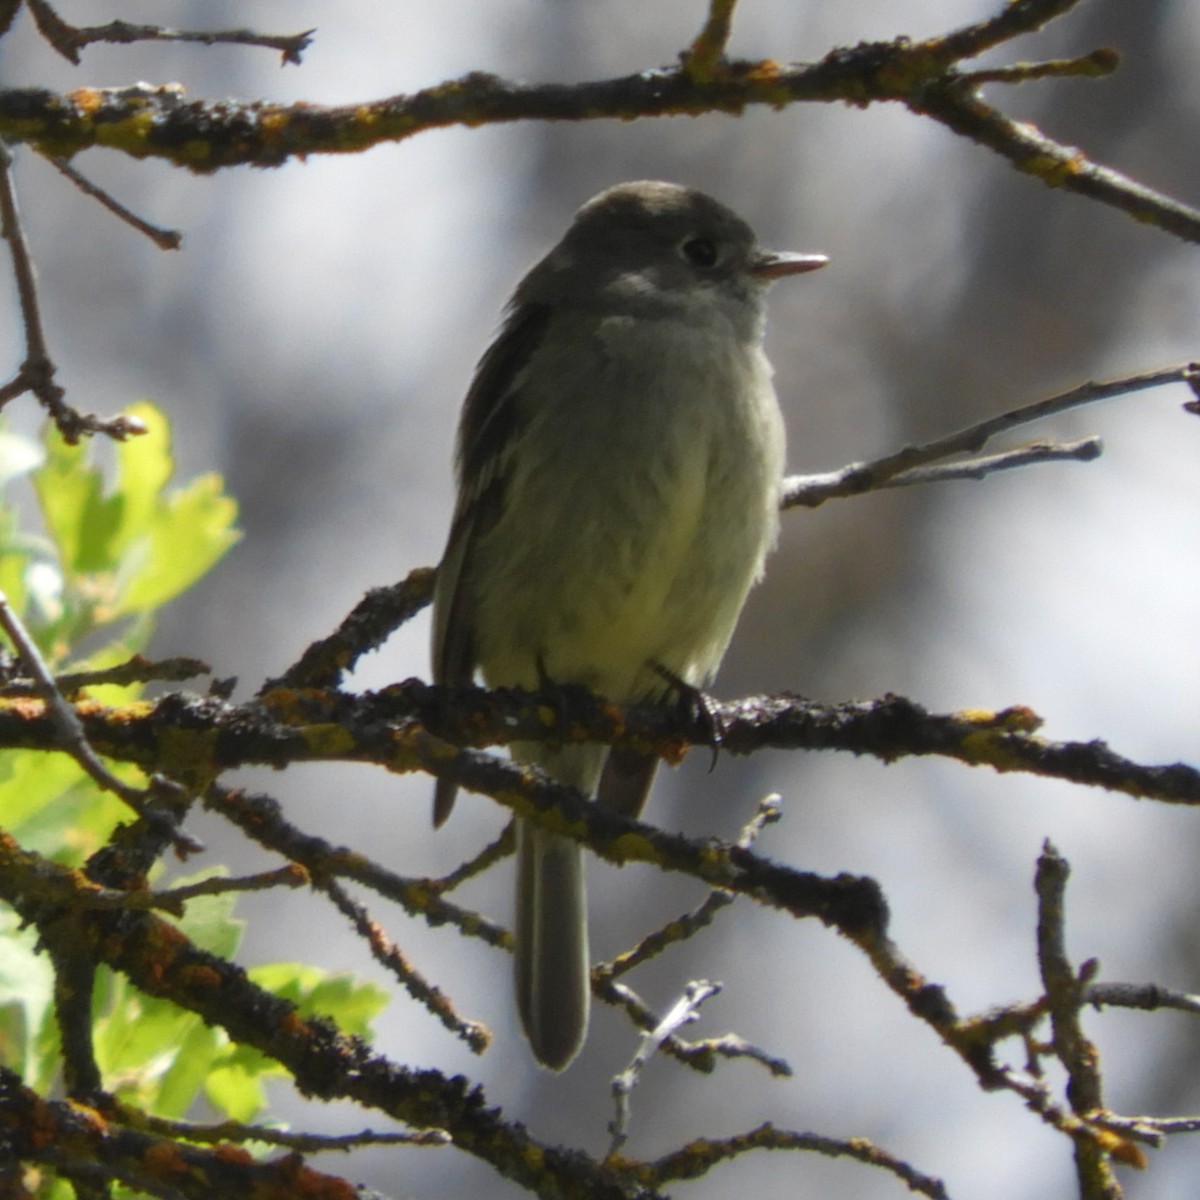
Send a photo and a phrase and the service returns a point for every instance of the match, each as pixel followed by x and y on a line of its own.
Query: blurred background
pixel 313 340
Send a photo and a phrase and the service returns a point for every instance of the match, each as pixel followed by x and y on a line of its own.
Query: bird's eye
pixel 701 251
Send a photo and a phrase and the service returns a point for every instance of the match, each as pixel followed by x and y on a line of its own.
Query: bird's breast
pixel 642 502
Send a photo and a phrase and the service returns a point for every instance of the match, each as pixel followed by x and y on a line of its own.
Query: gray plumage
pixel 619 463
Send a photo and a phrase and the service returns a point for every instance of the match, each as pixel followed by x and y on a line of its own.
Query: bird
pixel 619 464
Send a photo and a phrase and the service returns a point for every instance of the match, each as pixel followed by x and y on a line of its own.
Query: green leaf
pixel 208 920
pixel 186 535
pixel 54 808
pixel 236 1088
pixel 144 468
pixel 127 550
pixel 182 1081
pixel 80 519
pixel 351 1002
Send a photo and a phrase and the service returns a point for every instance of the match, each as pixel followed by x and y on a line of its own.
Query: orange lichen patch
pixel 1128 1152
pixel 137 710
pixel 294 1025
pixel 306 1184
pixel 765 71
pixel 615 716
pixel 1020 719
pixel 200 976
pixel 89 1115
pixel 165 1158
pixel 232 1155
pixel 28 708
pixel 87 100
pixel 1055 169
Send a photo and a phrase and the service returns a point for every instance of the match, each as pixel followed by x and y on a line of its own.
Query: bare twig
pixel 1064 991
pixel 261 818
pixel 174 900
pixel 69 39
pixel 890 470
pixel 688 925
pixel 8 10
pixel 1152 1130
pixel 1148 996
pixel 379 614
pixel 1089 66
pixel 237 1131
pixel 392 958
pixel 955 104
pixel 1084 450
pixel 133 671
pixel 36 373
pixel 495 851
pixel 702 60
pixel 1022 16
pixel 73 739
pixel 164 239
pixel 684 1011
pixel 921 75
pixel 697 1159
pixel 701 1056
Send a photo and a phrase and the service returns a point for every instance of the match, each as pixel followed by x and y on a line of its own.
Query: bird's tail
pixel 553 970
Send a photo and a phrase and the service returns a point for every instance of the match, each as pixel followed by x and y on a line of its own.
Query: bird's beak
pixel 775 265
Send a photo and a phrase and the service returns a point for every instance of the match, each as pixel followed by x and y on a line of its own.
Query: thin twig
pixel 697 1159
pixel 369 624
pixel 261 818
pixel 164 239
pixel 688 925
pixel 174 900
pixel 1064 992
pixel 1148 996
pixel 1023 16
pixel 36 373
pixel 133 671
pixel 1089 66
pixel 238 1131
pixel 811 490
pixel 703 58
pixel 69 39
pixel 74 741
pixel 1084 450
pixel 495 851
pixel 1152 1130
pixel 956 104
pixel 684 1011
pixel 392 958
pixel 702 1055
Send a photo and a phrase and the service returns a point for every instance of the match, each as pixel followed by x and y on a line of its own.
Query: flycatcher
pixel 620 458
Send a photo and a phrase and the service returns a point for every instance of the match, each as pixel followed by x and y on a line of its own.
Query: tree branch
pixel 902 466
pixel 158 122
pixel 69 39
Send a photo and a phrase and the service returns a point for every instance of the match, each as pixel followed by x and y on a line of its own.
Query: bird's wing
pixel 487 434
